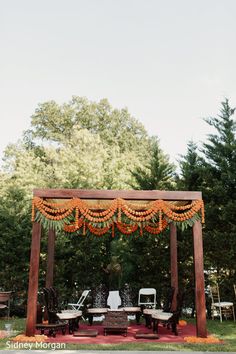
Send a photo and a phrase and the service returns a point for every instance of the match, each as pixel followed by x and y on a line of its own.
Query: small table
pixel 115 321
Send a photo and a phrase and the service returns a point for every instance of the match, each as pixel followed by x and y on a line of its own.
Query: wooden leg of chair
pixel 220 314
pixel 155 325
pixel 174 328
pixel 233 313
pixel 138 318
pixel 90 318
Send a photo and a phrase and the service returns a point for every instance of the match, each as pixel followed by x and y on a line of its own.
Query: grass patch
pixel 225 331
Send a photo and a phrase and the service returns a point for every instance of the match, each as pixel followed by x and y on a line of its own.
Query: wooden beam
pixel 199 280
pixel 50 258
pixel 174 263
pixel 33 280
pixel 113 194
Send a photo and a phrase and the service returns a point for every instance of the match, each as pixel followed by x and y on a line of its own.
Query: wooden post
pixel 33 280
pixel 199 280
pixel 50 258
pixel 174 263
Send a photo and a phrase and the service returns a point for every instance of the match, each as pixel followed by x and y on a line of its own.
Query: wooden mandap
pixel 141 207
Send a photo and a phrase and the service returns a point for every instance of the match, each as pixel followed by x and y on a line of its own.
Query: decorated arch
pixel 103 211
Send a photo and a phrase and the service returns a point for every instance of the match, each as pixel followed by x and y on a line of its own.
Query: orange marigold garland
pixel 142 214
pixel 126 229
pixel 98 231
pixel 156 230
pixel 74 226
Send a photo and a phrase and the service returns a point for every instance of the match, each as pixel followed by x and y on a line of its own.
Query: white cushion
pixel 151 311
pixel 132 309
pixel 67 316
pixel 162 316
pixel 223 304
pixel 97 310
pixel 77 313
pixel 2 306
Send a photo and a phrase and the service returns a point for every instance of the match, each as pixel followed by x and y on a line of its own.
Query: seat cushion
pixel 132 309
pixel 162 316
pixel 66 316
pixel 97 310
pixel 151 311
pixel 72 312
pixel 223 304
pixel 2 306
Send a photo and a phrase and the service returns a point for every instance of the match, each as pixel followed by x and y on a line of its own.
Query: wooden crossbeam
pixel 113 194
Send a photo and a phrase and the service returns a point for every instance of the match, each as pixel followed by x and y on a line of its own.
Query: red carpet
pixel 165 335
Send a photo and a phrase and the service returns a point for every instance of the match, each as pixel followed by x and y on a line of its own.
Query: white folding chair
pixel 80 303
pixel 147 297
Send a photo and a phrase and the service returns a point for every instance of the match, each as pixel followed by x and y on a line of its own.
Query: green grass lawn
pixel 225 331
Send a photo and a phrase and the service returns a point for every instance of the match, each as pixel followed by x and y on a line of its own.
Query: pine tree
pixel 219 192
pixel 158 172
pixel 190 169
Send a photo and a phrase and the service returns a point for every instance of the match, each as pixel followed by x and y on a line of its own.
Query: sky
pixel 170 62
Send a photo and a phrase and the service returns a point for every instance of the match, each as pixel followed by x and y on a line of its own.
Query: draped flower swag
pixel 152 217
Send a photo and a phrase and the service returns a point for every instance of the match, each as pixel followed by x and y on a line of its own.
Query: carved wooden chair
pixel 148 312
pixel 169 319
pixel 128 302
pixel 98 307
pixel 115 321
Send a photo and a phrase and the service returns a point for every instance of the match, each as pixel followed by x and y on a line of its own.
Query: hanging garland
pixel 153 217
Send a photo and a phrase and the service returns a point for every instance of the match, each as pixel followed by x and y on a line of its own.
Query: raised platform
pixel 85 333
pixel 144 335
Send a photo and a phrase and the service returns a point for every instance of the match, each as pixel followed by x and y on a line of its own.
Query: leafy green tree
pixel 80 144
pixel 14 241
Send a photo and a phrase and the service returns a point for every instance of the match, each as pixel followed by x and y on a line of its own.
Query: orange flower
pixel 24 338
pixel 182 323
pixel 210 340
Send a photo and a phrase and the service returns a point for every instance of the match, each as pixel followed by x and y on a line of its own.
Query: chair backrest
pixel 99 296
pixel 169 300
pixel 147 297
pixel 214 293
pixel 82 298
pixel 127 296
pixel 49 303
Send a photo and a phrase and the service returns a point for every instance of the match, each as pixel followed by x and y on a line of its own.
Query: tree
pixel 219 191
pixel 190 169
pixel 157 172
pixel 79 144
